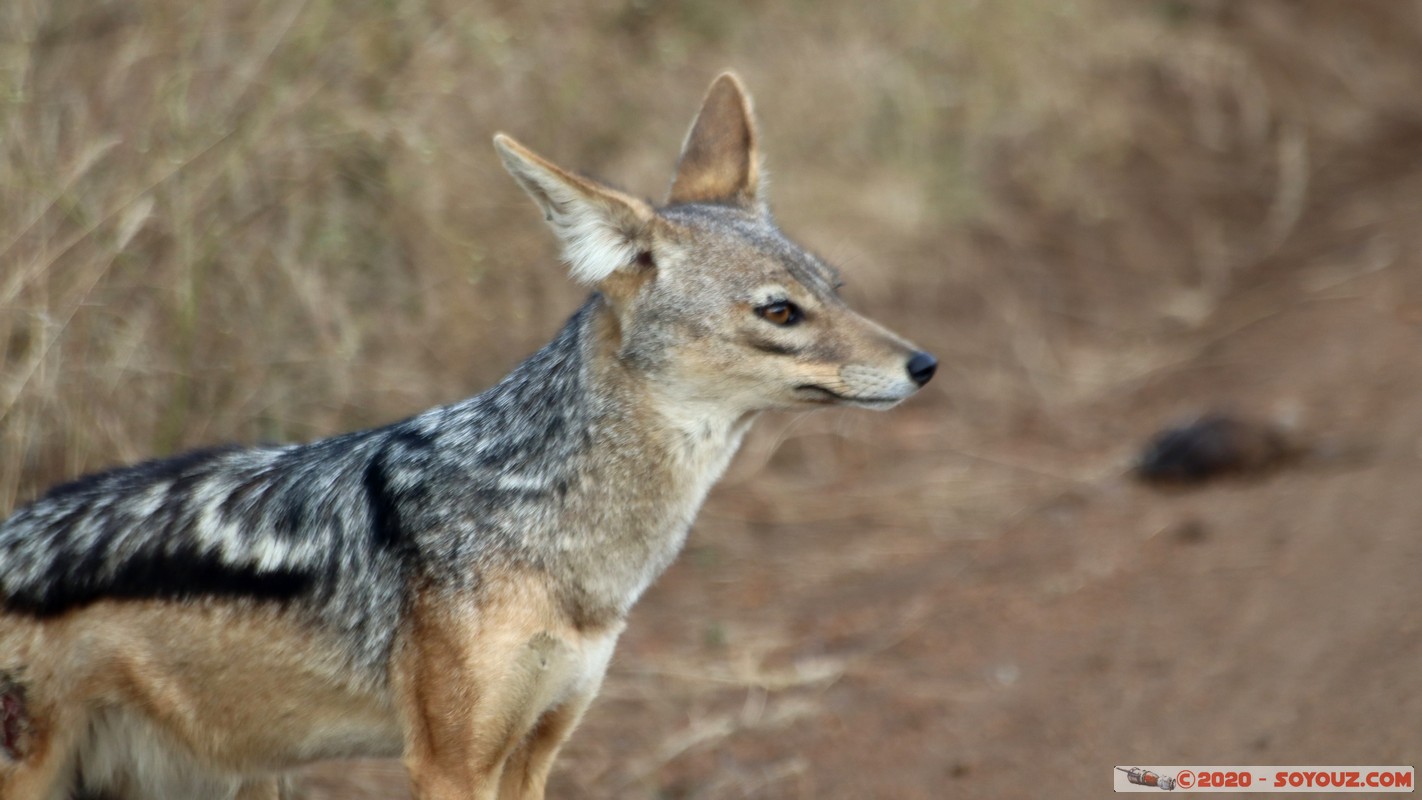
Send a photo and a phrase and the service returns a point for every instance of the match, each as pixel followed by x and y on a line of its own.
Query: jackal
pixel 447 589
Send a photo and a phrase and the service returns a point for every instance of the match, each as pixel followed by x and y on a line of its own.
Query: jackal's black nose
pixel 921 367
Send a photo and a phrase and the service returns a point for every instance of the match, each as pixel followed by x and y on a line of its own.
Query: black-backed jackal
pixel 447 589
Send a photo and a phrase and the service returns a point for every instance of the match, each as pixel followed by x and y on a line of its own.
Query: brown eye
pixel 781 313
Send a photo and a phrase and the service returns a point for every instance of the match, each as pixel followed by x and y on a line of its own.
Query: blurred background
pixel 273 220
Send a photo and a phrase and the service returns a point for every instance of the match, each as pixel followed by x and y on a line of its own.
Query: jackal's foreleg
pixel 526 771
pixel 264 789
pixel 476 679
pixel 467 724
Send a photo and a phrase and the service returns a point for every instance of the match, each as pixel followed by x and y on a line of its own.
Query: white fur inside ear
pixel 598 229
pixel 593 243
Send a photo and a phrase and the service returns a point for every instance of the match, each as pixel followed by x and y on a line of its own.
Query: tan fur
pixel 499 675
pixel 239 688
pixel 491 685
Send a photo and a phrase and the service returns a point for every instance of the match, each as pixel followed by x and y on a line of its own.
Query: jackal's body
pixel 448 588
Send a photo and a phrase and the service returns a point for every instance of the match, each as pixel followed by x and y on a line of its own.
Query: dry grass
pixel 262 220
pixel 277 220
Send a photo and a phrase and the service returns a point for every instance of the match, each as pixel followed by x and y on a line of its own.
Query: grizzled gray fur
pixel 335 527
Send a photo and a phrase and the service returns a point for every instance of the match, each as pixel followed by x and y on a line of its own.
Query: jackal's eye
pixel 783 312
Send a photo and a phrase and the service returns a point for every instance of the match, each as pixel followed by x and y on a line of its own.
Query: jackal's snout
pixel 875 368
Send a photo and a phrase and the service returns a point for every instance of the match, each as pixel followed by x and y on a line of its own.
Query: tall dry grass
pixel 259 220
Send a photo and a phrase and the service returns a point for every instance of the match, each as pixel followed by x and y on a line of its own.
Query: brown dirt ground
pixel 1000 611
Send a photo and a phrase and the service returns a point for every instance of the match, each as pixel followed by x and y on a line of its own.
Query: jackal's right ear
pixel 720 161
pixel 603 230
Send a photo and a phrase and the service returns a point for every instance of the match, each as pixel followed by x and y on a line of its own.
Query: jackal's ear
pixel 603 230
pixel 720 162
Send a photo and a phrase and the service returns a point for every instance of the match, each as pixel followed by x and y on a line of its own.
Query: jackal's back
pixel 333 529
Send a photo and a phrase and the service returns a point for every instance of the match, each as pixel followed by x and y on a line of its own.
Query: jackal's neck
pixel 586 467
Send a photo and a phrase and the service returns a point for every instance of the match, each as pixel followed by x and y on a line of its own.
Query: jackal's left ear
pixel 603 230
pixel 720 161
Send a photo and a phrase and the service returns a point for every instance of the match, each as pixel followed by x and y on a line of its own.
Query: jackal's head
pixel 714 305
